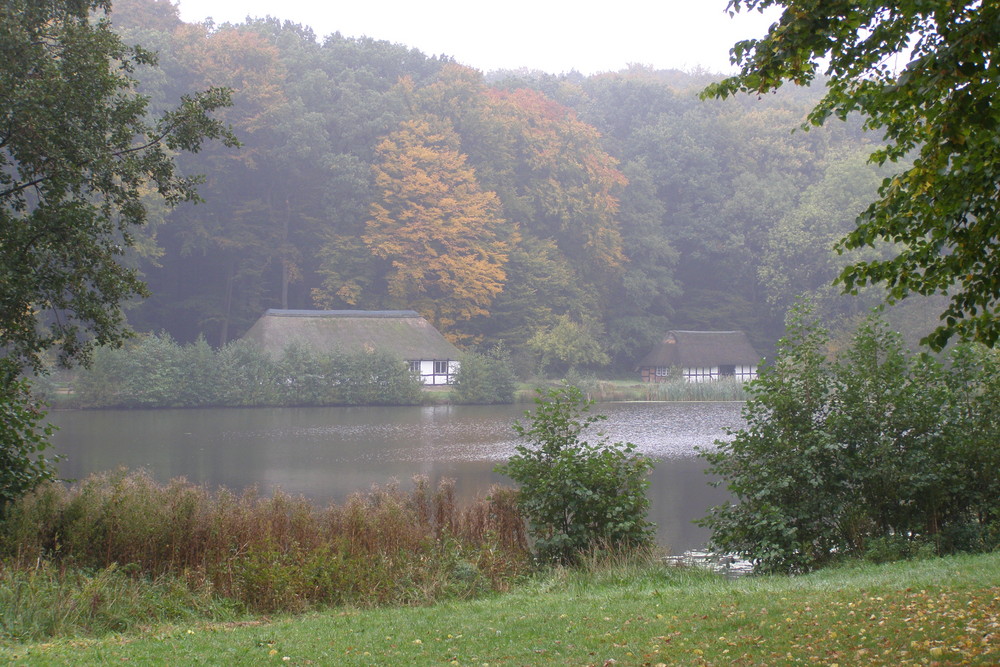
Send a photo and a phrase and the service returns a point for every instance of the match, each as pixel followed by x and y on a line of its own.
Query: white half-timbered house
pixel 403 333
pixel 700 356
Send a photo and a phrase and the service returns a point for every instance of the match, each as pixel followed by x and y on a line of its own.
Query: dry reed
pixel 279 552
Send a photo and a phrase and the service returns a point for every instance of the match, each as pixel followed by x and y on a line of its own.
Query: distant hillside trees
pixel 617 204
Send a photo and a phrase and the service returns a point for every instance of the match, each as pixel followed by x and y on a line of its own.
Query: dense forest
pixel 572 218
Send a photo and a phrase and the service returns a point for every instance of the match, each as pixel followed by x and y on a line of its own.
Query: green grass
pixel 939 611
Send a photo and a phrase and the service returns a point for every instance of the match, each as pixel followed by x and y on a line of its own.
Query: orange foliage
pixel 561 168
pixel 244 61
pixel 436 225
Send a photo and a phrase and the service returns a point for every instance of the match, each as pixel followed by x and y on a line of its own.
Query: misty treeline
pixel 572 217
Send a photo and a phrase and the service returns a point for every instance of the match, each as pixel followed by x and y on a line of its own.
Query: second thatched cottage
pixel 403 333
pixel 700 356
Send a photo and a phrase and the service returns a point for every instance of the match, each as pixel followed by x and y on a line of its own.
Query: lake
pixel 326 454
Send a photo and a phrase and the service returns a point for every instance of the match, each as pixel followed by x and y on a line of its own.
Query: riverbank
pixel 63 396
pixel 937 611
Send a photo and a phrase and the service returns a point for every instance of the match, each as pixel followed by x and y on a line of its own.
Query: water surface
pixel 328 453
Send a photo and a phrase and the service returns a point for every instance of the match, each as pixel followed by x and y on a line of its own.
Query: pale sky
pixel 554 36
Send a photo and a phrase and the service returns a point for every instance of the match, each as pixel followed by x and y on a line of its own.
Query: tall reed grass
pixel 609 391
pixel 675 390
pixel 277 553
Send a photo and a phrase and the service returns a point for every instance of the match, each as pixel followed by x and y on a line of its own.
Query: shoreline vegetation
pixel 154 371
pixel 120 568
pixel 599 391
pixel 66 549
pixel 629 611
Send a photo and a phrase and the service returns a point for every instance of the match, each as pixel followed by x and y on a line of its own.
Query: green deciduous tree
pixel 781 465
pixel 569 345
pixel 485 378
pixel 940 107
pixel 77 156
pixel 23 441
pixel 799 256
pixel 76 149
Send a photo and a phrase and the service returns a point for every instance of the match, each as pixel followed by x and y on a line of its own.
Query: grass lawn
pixel 942 611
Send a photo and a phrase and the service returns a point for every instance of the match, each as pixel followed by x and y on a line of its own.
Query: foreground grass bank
pixel 941 611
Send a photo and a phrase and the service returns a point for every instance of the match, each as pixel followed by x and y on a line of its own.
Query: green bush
pixel 376 378
pixel 99 385
pixel 486 378
pixel 577 496
pixel 247 376
pixel 303 381
pixel 152 374
pixel 876 453
pixel 197 375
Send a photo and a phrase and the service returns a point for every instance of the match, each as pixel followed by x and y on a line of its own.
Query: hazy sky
pixel 551 35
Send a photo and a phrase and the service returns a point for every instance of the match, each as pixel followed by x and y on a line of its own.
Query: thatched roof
pixel 687 349
pixel 403 333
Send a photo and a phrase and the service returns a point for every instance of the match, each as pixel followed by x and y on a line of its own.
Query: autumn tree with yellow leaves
pixel 435 227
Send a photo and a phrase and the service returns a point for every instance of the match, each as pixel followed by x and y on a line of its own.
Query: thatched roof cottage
pixel 403 333
pixel 700 356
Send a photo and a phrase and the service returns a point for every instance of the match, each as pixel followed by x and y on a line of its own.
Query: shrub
pixel 247 375
pixel 100 385
pixel 377 378
pixel 575 495
pixel 157 372
pixel 198 384
pixel 877 453
pixel 302 378
pixel 152 373
pixel 782 468
pixel 486 378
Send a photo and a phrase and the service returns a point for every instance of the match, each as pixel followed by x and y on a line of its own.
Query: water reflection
pixel 329 453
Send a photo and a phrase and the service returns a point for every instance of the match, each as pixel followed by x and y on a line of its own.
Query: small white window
pixel 414 366
pixel 440 368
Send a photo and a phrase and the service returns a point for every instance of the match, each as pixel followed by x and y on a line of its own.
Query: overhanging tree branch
pixel 941 109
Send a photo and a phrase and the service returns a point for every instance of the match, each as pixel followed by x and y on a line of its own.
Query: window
pixel 440 368
pixel 414 366
pixel 698 374
pixel 727 370
pixel 662 371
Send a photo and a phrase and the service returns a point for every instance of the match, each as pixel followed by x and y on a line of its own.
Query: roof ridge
pixel 278 312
